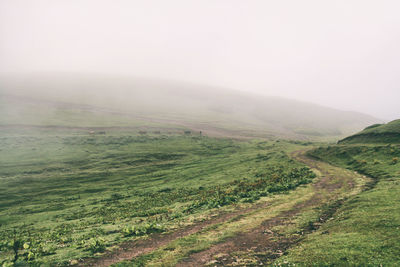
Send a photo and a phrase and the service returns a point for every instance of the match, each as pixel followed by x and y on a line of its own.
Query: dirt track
pixel 261 240
pixel 332 184
pixel 133 249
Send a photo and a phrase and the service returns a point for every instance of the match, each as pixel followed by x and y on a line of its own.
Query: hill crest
pixel 44 100
pixel 376 133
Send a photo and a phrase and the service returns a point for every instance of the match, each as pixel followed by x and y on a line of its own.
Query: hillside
pixel 97 101
pixel 363 230
pixel 76 198
pixel 377 133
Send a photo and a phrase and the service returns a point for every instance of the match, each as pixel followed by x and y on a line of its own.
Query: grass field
pixel 68 195
pixel 261 234
pixel 365 230
pixel 377 133
pixel 160 195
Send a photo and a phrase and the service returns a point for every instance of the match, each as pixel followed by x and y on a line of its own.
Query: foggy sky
pixel 342 53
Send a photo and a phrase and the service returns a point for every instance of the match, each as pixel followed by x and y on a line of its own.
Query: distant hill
pixel 376 133
pixel 98 101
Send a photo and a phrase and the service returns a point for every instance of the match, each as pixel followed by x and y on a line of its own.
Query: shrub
pixel 16 244
pixel 96 245
pixel 139 230
pixel 246 190
pixel 35 250
pixel 376 162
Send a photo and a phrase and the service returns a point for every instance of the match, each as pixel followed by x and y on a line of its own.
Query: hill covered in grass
pixel 376 133
pixel 98 101
pixel 364 229
pixel 66 196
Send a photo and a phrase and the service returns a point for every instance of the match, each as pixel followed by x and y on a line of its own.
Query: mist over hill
pixel 377 133
pixel 108 101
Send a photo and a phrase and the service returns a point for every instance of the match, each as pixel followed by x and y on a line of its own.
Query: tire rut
pixel 261 241
pixel 132 249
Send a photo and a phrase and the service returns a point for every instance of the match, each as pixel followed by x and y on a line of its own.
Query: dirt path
pixel 266 245
pixel 260 241
pixel 135 248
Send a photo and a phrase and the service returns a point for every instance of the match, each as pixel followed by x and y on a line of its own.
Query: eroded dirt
pixel 262 243
pixel 131 249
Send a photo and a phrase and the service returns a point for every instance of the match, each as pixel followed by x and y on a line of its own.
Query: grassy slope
pixel 77 194
pixel 289 216
pixel 32 112
pixel 70 195
pixel 378 133
pixel 365 230
pixel 176 104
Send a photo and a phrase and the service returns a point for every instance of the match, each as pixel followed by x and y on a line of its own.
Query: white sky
pixel 339 53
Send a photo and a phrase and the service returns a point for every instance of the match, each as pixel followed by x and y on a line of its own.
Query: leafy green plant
pixel 16 245
pixel 144 229
pixel 96 245
pixel 247 190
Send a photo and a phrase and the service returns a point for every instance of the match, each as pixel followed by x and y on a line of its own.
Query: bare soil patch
pixel 261 242
pixel 131 249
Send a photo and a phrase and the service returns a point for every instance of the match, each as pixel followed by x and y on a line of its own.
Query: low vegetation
pixel 365 230
pixel 133 102
pixel 74 195
pixel 377 133
pixel 69 195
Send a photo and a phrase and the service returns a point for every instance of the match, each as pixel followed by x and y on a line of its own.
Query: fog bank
pixel 342 54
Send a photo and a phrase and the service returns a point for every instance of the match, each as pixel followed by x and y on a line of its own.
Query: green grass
pixel 365 230
pixel 67 194
pixel 377 161
pixel 376 133
pixel 393 126
pixel 181 248
pixel 99 101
